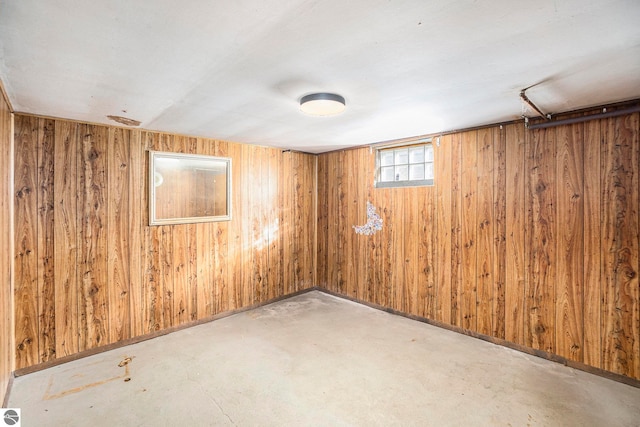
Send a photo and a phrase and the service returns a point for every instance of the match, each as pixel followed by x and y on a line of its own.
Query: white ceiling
pixel 235 70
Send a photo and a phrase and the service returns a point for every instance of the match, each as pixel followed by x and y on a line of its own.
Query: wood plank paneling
pixel 304 194
pixel 386 255
pixel 323 221
pixel 219 240
pixel 151 281
pixel 456 232
pixel 66 238
pixel 427 289
pixel 181 297
pixel 467 290
pixel 519 237
pixel 443 231
pixel 485 224
pixel 26 242
pixel 93 305
pixel 353 215
pixel 137 217
pixel 592 346
pixel 570 232
pixel 361 284
pixel 46 284
pixel 408 222
pixel 338 258
pixel 165 250
pixel 620 246
pixel 541 241
pixel 204 298
pixel 91 269
pixel 515 264
pixel 372 253
pixel 534 236
pixel 499 233
pixel 397 282
pixel 118 244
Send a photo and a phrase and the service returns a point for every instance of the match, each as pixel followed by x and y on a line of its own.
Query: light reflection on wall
pixel 267 235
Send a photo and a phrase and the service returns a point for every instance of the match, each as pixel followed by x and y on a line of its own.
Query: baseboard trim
pixel 65 359
pixel 498 341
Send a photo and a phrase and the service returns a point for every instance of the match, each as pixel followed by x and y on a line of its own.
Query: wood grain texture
pixel 323 221
pixel 592 346
pixel 541 241
pixel 151 281
pixel 93 304
pixel 26 242
pixel 455 213
pixel 427 289
pixel 397 283
pixel 372 253
pixel 219 236
pixel 179 263
pixel 443 230
pixel 66 238
pixel 340 221
pixel 46 283
pixel 361 285
pixel 499 233
pixel 257 278
pixel 118 244
pixel 304 194
pixel 137 212
pixel 164 250
pixel 555 268
pixel 386 252
pixel 467 291
pixel 6 206
pixel 620 246
pixel 534 237
pixel 407 221
pixel 202 243
pixel 91 269
pixel 515 261
pixel 485 224
pixel 570 250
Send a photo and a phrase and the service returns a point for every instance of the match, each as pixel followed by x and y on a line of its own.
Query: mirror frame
pixel 153 220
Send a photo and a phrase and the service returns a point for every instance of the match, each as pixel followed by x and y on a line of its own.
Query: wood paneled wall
pixel 527 235
pixel 6 205
pixel 89 269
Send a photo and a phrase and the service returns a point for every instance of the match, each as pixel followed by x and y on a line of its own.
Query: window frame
pixel 156 179
pixel 378 183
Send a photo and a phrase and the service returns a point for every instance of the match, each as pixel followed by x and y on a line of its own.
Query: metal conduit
pixel 573 120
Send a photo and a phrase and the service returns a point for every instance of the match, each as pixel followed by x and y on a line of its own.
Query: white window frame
pixel 402 168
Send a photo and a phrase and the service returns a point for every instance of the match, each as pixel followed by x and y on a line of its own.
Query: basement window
pixel 405 166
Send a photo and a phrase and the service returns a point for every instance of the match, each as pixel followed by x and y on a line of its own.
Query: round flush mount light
pixel 322 104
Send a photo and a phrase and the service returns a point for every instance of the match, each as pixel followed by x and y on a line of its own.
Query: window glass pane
pixel 428 172
pixel 386 174
pixel 402 156
pixel 386 158
pixel 416 171
pixel 416 155
pixel 429 151
pixel 402 173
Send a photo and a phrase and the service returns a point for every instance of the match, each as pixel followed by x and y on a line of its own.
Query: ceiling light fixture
pixel 322 104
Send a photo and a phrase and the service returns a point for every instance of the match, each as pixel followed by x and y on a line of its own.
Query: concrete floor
pixel 319 360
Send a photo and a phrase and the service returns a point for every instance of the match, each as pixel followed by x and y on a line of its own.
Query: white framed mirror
pixel 188 188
